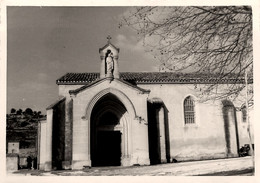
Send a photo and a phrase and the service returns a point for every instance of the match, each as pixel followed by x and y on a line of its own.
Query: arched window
pixel 189 110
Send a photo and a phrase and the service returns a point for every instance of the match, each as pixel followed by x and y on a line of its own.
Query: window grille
pixel 189 112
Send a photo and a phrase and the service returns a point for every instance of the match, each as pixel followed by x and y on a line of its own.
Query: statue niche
pixel 109 63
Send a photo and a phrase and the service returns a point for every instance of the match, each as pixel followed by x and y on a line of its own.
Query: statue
pixel 109 63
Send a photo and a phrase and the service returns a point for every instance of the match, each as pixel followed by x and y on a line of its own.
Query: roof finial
pixel 108 38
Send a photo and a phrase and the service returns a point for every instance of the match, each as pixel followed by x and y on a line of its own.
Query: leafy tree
pixel 208 40
pixel 29 111
pixel 13 111
pixel 39 114
pixel 24 124
pixel 19 112
pixel 35 114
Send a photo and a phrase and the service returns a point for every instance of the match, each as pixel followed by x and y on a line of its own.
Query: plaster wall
pixel 43 133
pixel 64 89
pixel 242 128
pixel 203 140
pixel 49 136
pixel 12 161
pixel 13 147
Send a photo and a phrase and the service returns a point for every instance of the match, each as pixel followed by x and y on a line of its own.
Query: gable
pixel 108 46
pixel 99 82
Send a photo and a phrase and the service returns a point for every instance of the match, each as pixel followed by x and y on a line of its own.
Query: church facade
pixel 114 118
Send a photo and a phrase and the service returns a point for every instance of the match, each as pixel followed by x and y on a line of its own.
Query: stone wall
pixel 58 138
pixel 12 162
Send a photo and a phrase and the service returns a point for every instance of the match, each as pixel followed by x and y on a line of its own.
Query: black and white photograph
pixel 147 89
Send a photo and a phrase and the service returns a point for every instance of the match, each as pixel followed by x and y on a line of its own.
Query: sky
pixel 44 43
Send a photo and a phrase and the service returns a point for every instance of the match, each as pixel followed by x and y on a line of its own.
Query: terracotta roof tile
pixel 152 77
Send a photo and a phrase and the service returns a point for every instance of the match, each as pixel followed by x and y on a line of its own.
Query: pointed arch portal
pixel 108 131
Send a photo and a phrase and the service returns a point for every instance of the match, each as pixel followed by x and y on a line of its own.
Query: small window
pixel 189 112
pixel 244 114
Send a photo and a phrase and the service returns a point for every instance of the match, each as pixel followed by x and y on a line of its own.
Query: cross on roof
pixel 108 38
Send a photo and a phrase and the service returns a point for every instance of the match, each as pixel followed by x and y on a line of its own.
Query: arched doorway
pixel 108 131
pixel 231 129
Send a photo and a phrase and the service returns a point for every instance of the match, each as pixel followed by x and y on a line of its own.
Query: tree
pixel 209 40
pixel 39 114
pixel 35 114
pixel 13 111
pixel 213 40
pixel 19 112
pixel 28 111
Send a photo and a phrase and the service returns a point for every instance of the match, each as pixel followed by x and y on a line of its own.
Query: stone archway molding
pixel 119 94
pixel 130 113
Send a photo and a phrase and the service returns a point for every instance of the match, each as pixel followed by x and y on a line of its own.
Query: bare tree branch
pixel 200 39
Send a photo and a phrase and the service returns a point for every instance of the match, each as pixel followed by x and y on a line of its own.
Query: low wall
pixel 12 162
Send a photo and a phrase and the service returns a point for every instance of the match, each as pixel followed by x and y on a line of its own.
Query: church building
pixel 113 118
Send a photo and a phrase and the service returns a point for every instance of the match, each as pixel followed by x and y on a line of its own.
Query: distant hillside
pixel 21 126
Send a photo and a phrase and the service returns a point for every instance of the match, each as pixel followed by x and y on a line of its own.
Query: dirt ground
pixel 221 167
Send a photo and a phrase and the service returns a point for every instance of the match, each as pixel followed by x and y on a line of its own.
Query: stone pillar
pixel 126 141
pixel 81 138
pixel 48 154
pixel 42 145
pixel 162 139
pixel 116 70
pixel 140 150
pixel 66 164
pixel 102 67
pixel 81 147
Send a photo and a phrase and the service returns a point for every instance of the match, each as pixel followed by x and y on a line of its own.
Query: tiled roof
pixel 78 78
pixel 153 77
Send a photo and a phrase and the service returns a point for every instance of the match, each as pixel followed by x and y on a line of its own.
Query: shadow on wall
pixel 158 132
pixel 58 137
pixel 230 128
pixel 167 136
